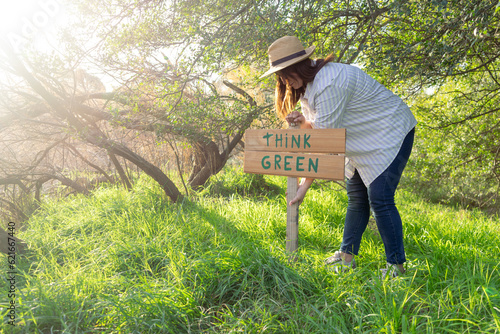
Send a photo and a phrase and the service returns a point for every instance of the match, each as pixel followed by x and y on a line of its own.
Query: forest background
pixel 95 92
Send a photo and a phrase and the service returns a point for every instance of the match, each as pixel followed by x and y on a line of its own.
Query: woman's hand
pixel 295 117
pixel 301 191
pixel 299 197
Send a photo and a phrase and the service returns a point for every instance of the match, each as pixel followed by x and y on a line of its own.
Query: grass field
pixel 132 262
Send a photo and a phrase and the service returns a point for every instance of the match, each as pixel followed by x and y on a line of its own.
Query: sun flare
pixel 11 14
pixel 22 21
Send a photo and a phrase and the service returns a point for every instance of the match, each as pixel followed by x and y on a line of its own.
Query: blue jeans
pixel 379 196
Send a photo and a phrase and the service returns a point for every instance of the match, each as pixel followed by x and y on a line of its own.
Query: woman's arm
pixel 298 118
pixel 302 190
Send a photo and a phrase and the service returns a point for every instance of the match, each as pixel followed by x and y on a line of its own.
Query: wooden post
pixel 292 214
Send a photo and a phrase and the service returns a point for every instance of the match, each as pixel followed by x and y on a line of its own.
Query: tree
pixel 48 104
pixel 451 48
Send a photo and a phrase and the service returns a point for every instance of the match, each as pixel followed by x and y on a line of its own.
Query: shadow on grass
pixel 251 264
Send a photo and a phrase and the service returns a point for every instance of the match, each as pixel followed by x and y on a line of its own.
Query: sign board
pixel 315 153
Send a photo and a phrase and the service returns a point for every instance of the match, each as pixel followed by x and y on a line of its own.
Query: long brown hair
pixel 286 96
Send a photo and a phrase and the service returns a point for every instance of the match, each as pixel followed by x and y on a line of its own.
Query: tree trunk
pixel 96 137
pixel 208 161
pixel 72 184
pixel 120 171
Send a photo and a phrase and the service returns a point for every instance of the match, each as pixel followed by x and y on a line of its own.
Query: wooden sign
pixel 295 153
pixel 315 153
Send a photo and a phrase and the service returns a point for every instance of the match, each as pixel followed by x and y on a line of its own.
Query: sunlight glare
pixel 11 14
pixel 21 21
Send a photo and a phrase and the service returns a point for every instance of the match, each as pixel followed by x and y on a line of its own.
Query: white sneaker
pixel 390 271
pixel 339 265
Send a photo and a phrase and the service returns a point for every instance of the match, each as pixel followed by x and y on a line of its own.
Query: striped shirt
pixel 376 120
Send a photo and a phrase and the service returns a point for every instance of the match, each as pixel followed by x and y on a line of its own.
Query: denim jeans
pixel 379 196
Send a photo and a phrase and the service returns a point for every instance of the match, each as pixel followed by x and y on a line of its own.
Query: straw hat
pixel 286 51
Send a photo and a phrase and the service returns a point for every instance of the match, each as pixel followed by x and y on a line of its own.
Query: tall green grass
pixel 132 262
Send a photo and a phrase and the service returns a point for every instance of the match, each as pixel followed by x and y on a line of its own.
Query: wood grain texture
pixel 300 140
pixel 318 166
pixel 292 217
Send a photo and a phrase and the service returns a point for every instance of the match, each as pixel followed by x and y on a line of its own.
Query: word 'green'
pixel 289 163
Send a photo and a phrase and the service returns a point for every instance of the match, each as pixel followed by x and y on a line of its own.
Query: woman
pixel 379 138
